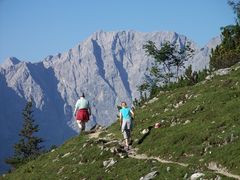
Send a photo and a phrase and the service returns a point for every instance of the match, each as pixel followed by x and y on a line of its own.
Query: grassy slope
pixel 212 135
pixel 86 161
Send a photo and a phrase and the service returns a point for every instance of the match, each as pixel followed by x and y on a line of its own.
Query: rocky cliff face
pixel 107 67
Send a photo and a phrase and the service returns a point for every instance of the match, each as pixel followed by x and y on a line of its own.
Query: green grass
pixel 87 163
pixel 213 124
pixel 212 135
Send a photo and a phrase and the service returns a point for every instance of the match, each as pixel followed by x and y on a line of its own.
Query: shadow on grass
pixel 145 135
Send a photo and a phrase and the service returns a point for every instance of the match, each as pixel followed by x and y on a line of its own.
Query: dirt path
pixel 213 166
pixel 94 135
pixel 133 154
pixel 144 156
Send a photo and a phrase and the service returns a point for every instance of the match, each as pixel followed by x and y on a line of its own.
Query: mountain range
pixel 185 132
pixel 107 67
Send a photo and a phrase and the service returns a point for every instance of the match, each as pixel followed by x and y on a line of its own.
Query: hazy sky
pixel 33 29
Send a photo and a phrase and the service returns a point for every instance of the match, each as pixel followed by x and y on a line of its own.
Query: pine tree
pixel 28 146
pixel 228 52
pixel 135 103
pixel 235 4
pixel 192 77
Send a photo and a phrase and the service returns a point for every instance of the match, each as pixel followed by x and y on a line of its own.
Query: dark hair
pixel 123 102
pixel 83 95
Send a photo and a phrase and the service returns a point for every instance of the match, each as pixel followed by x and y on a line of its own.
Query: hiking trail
pixel 133 154
pixel 94 135
pixel 145 157
pixel 212 166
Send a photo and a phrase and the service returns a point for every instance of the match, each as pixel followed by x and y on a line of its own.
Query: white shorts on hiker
pixel 126 128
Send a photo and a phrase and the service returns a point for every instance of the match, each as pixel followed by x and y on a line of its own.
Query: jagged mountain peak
pixel 213 42
pixel 11 61
pixel 125 38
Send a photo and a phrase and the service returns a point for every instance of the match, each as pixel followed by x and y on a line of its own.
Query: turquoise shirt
pixel 126 113
pixel 82 103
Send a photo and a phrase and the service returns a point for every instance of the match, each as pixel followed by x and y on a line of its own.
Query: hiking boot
pixel 130 142
pixel 126 148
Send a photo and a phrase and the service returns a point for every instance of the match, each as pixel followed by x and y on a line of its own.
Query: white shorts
pixel 126 129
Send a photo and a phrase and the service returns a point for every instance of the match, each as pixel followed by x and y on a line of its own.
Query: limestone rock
pixel 66 155
pixel 150 175
pixel 60 170
pixel 109 163
pixel 145 131
pixel 197 175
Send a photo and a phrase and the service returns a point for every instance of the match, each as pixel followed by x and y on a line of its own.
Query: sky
pixel 33 29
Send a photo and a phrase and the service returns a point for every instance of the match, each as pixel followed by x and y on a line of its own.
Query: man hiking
pixel 82 112
pixel 126 115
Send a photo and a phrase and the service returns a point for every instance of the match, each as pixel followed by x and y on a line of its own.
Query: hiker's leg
pixel 126 146
pixel 123 126
pixel 79 124
pixel 124 135
pixel 128 132
pixel 123 129
pixel 127 143
pixel 127 137
pixel 83 125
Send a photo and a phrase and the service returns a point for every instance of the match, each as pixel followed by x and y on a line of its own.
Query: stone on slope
pixel 150 175
pixel 197 175
pixel 109 163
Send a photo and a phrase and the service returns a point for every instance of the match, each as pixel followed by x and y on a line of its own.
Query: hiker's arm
pixel 75 109
pixel 120 118
pixel 89 109
pixel 132 113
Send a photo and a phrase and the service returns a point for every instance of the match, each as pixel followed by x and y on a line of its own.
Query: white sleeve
pixel 76 107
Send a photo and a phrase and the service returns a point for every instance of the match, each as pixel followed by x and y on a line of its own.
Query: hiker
pixel 125 122
pixel 82 112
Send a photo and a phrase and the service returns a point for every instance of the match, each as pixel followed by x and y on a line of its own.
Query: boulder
pixel 65 155
pixel 222 72
pixel 187 121
pixel 197 175
pixel 166 110
pixel 145 131
pixel 209 77
pixel 109 163
pixel 150 175
pixel 152 100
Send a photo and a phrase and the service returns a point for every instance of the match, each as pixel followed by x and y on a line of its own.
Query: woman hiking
pixel 82 112
pixel 126 115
